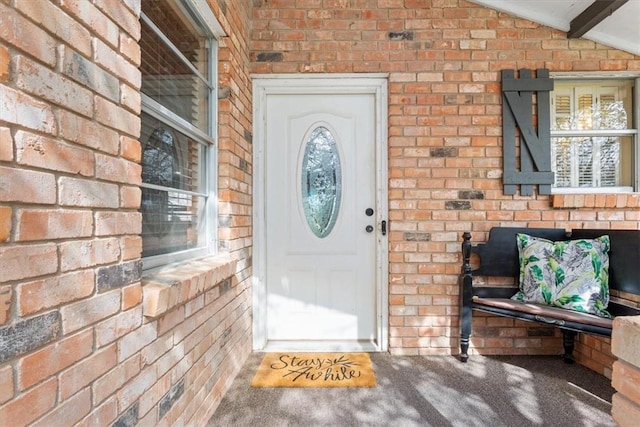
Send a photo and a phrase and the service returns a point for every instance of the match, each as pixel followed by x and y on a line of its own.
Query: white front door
pixel 322 221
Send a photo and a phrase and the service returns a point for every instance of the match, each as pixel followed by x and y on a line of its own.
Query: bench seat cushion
pixel 545 311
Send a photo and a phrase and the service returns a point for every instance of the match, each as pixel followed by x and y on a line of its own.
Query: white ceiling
pixel 620 30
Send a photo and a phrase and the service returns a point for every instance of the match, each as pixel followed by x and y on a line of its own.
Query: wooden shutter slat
pixel 535 144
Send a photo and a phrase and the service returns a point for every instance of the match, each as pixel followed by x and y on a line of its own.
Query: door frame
pixel 279 84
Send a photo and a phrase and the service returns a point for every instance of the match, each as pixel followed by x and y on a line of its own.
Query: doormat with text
pixel 315 370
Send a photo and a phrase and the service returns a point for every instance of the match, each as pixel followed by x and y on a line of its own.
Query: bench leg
pixel 465 332
pixel 466 299
pixel 568 339
pixel 464 349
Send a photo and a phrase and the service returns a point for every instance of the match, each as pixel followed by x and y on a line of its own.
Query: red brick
pixel 6 294
pixel 104 415
pixel 45 83
pixel 121 15
pixel 88 253
pixel 118 223
pixel 6 145
pixel 111 60
pixel 118 170
pixel 626 380
pixel 130 49
pixel 6 214
pixel 68 412
pixel 86 371
pixel 88 193
pixel 625 339
pixel 88 311
pixel 136 387
pixel 131 247
pixel 6 384
pixel 131 99
pixel 22 262
pixel 5 64
pixel 151 353
pixel 131 296
pixel 46 153
pixel 38 224
pixel 29 406
pixel 118 117
pixel 130 149
pixel 51 18
pixel 88 133
pixel 118 326
pixel 152 396
pixel 26 36
pixel 21 109
pixel 130 197
pixel 87 73
pixel 136 340
pixel 50 292
pixel 625 413
pixel 113 380
pixel 53 358
pixel 93 18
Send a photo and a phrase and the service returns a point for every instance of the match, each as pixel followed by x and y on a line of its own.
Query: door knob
pixel 369 228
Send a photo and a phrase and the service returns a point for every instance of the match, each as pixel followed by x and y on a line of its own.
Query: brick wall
pixel 626 371
pixel 444 59
pixel 85 338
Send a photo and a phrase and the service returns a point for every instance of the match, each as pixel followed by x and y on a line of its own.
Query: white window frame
pixel 203 20
pixel 633 132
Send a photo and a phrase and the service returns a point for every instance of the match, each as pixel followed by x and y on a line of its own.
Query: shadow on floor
pixel 431 391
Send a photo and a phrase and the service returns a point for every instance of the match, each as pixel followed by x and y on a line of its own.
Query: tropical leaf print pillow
pixel 572 274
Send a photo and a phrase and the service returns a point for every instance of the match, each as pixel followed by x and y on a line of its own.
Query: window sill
pixel 599 201
pixel 167 289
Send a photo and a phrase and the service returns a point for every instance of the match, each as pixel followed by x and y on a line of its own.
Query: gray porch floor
pixel 431 391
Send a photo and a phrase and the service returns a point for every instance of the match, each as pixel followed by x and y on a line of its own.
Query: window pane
pixel 587 162
pixel 169 158
pixel 590 113
pixel 166 76
pixel 171 174
pixel 563 163
pixel 593 105
pixel 611 114
pixel 609 161
pixel 179 30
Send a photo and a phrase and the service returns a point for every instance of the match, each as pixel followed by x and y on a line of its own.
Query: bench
pixel 498 258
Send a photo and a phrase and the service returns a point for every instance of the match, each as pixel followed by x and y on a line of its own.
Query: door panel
pixel 320 288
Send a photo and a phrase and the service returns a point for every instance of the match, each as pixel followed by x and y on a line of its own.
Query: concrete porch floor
pixel 431 391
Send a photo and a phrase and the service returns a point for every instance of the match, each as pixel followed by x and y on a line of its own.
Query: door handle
pixel 369 228
pixel 384 228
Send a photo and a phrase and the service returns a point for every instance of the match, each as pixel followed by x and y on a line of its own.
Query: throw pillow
pixel 572 274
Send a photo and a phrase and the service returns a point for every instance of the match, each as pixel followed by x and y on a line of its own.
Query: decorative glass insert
pixel 321 181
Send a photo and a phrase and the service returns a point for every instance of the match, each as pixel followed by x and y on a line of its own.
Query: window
pixel 178 64
pixel 594 135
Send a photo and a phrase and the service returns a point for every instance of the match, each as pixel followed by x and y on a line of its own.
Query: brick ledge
pixel 600 201
pixel 169 288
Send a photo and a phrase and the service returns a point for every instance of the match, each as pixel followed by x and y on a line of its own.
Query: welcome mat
pixel 315 370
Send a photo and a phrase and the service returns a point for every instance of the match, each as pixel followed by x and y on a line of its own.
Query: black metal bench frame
pixel 498 257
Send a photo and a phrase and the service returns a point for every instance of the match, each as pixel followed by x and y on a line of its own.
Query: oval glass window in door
pixel 321 181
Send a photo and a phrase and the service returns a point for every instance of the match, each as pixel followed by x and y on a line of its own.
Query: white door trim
pixel 266 84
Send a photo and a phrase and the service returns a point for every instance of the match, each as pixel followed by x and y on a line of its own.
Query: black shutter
pixel 518 126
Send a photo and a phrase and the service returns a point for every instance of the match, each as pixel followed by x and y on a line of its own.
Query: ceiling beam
pixel 592 16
